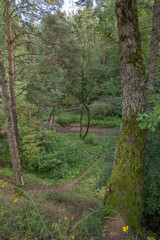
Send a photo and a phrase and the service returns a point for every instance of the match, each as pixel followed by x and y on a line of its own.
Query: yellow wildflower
pixel 72 217
pixel 53 225
pixel 2 186
pixel 65 218
pixel 72 237
pixel 125 228
pixel 15 200
pixel 16 217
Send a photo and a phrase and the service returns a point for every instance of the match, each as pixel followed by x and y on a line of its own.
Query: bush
pixel 4 153
pixel 112 107
pixel 108 122
pixel 63 156
pixel 151 189
pixel 65 119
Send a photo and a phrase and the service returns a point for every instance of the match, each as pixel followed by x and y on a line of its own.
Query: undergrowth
pixel 110 122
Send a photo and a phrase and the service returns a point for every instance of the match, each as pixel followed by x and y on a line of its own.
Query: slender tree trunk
pixel 81 122
pixel 124 188
pixel 83 100
pixel 154 44
pixel 104 49
pixel 89 119
pixel 11 73
pixel 14 152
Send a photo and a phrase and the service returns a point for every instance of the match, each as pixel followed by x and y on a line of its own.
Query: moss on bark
pixel 124 187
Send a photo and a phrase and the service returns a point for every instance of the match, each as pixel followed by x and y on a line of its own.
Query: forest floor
pixel 61 206
pixel 70 199
pixel 75 127
pixel 112 226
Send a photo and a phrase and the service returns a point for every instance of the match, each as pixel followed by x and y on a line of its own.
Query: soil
pixel 75 127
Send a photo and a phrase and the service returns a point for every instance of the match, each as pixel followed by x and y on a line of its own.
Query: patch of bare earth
pixel 75 127
pixel 113 228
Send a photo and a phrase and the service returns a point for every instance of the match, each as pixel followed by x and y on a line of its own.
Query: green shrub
pixel 91 224
pixel 106 172
pixel 151 188
pixel 65 118
pixel 63 156
pixel 25 222
pixel 108 122
pixel 4 153
pixel 101 110
pixel 91 139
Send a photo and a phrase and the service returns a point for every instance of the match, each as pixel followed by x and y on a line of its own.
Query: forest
pixel 80 120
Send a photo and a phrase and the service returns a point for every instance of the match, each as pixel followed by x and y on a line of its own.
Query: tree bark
pixel 14 152
pixel 154 44
pixel 124 188
pixel 11 73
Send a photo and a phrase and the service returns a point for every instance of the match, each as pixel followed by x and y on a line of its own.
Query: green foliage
pixel 63 156
pixel 23 222
pixel 150 120
pixel 65 119
pixel 63 196
pixel 90 224
pixel 4 152
pixel 28 128
pixel 151 193
pixel 91 139
pixel 101 110
pixel 110 122
pixel 105 174
pixel 7 172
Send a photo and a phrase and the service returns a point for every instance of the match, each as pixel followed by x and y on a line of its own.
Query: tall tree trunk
pixel 11 72
pixel 124 188
pixel 154 44
pixel 14 152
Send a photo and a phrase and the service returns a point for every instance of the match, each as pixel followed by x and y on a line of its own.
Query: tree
pixel 88 41
pixel 14 152
pixel 154 43
pixel 124 188
pixel 11 70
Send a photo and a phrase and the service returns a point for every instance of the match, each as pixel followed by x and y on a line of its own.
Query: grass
pixel 66 119
pixel 64 157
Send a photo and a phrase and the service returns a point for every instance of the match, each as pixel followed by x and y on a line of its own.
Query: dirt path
pixel 74 128
pixel 65 186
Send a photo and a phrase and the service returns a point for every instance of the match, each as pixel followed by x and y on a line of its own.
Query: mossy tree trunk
pixel 124 188
pixel 13 147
